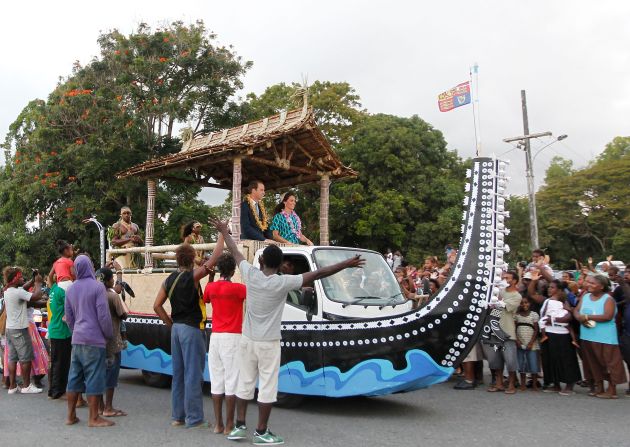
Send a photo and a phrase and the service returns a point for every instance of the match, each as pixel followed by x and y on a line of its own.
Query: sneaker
pixel 14 390
pixel 239 432
pixel 464 385
pixel 31 389
pixel 267 438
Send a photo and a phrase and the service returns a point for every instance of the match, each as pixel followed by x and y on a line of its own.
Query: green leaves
pixel 115 112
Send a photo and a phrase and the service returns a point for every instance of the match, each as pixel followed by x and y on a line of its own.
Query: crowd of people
pixel 80 349
pixel 574 329
pixel 566 331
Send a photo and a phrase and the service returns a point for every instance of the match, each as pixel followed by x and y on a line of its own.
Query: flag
pixel 456 97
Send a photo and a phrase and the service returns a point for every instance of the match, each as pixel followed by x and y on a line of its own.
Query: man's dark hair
pixel 538 252
pixel 226 265
pixel 104 274
pixel 185 255
pixel 513 274
pixel 252 185
pixel 272 257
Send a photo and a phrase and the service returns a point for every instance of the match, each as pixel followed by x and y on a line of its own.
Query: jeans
pixel 189 358
pixel 112 371
pixel 527 361
pixel 87 370
pixel 61 351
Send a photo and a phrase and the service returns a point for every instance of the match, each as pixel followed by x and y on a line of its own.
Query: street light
pixel 560 138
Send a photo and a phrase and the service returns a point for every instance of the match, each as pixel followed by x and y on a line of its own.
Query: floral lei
pixel 287 216
pixel 262 225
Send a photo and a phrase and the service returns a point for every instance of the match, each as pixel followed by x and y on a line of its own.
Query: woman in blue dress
pixel 286 225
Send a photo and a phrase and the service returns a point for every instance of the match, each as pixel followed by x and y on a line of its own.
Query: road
pixel 436 415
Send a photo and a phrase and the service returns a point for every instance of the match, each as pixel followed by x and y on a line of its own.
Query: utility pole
pixel 529 169
pixel 523 143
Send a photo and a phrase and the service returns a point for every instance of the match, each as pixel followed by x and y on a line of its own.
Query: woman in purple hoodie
pixel 88 317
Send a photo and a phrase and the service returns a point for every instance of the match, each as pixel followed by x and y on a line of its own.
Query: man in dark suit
pixel 254 226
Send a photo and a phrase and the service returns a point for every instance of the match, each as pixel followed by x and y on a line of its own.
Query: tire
pixel 287 400
pixel 156 380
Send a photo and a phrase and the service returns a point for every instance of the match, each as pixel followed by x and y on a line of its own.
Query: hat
pixel 527 275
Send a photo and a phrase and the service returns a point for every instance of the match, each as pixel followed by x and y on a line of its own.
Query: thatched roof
pixel 282 150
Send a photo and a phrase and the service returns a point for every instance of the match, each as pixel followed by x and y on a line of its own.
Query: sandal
pixel 605 396
pixel 114 414
pixel 494 389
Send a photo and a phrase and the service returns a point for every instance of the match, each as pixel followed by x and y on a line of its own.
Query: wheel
pixel 156 380
pixel 287 400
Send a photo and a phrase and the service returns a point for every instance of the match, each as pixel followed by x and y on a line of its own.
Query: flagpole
pixel 474 83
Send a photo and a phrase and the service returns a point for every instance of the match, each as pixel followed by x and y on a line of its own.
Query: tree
pixel 558 168
pixel 337 106
pixel 615 150
pixel 588 210
pixel 409 192
pixel 117 111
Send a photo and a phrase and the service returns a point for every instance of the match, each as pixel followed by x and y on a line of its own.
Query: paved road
pixel 437 415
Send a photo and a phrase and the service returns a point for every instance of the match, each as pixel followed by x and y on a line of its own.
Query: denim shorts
pixel 87 370
pixel 19 345
pixel 112 372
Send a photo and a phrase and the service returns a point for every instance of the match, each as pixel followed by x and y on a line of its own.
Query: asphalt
pixel 438 415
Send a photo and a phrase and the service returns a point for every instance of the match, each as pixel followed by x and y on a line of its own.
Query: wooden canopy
pixel 282 150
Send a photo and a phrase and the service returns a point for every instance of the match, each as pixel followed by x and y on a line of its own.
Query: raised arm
pixel 231 245
pixel 207 266
pixel 309 277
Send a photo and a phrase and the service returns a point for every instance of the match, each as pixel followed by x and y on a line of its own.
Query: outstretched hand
pixel 355 261
pixel 221 226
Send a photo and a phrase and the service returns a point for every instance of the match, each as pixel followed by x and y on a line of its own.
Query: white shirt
pixel 266 296
pixel 15 299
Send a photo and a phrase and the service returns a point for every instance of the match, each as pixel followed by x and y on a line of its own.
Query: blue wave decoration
pixel 155 360
pixel 372 377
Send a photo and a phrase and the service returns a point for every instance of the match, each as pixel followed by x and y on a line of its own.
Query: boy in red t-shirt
pixel 227 300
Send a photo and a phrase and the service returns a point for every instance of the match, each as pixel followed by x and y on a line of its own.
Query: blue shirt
pixel 603 332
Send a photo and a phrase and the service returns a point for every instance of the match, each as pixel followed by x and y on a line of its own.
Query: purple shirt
pixel 87 309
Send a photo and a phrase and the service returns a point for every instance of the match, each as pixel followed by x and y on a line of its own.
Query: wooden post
pixel 324 185
pixel 148 237
pixel 236 198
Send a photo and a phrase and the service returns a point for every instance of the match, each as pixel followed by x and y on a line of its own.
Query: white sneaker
pixel 14 390
pixel 31 389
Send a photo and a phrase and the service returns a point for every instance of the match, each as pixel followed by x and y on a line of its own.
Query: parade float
pixel 353 333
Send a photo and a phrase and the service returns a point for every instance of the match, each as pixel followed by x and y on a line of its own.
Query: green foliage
pixel 558 168
pixel 409 192
pixel 615 150
pixel 116 112
pixel 336 104
pixel 587 212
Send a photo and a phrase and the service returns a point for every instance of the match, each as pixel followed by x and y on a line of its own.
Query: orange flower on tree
pixel 165 40
pixel 117 52
pixel 163 59
pixel 69 209
pixel 72 178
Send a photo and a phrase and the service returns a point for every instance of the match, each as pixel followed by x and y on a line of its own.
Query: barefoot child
pixel 527 350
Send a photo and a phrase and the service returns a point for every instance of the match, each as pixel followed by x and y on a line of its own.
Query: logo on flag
pixel 456 97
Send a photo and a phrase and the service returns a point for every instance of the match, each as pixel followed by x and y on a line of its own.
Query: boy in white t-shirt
pixel 259 350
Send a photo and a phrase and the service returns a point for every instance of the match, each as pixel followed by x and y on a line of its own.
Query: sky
pixel 571 57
